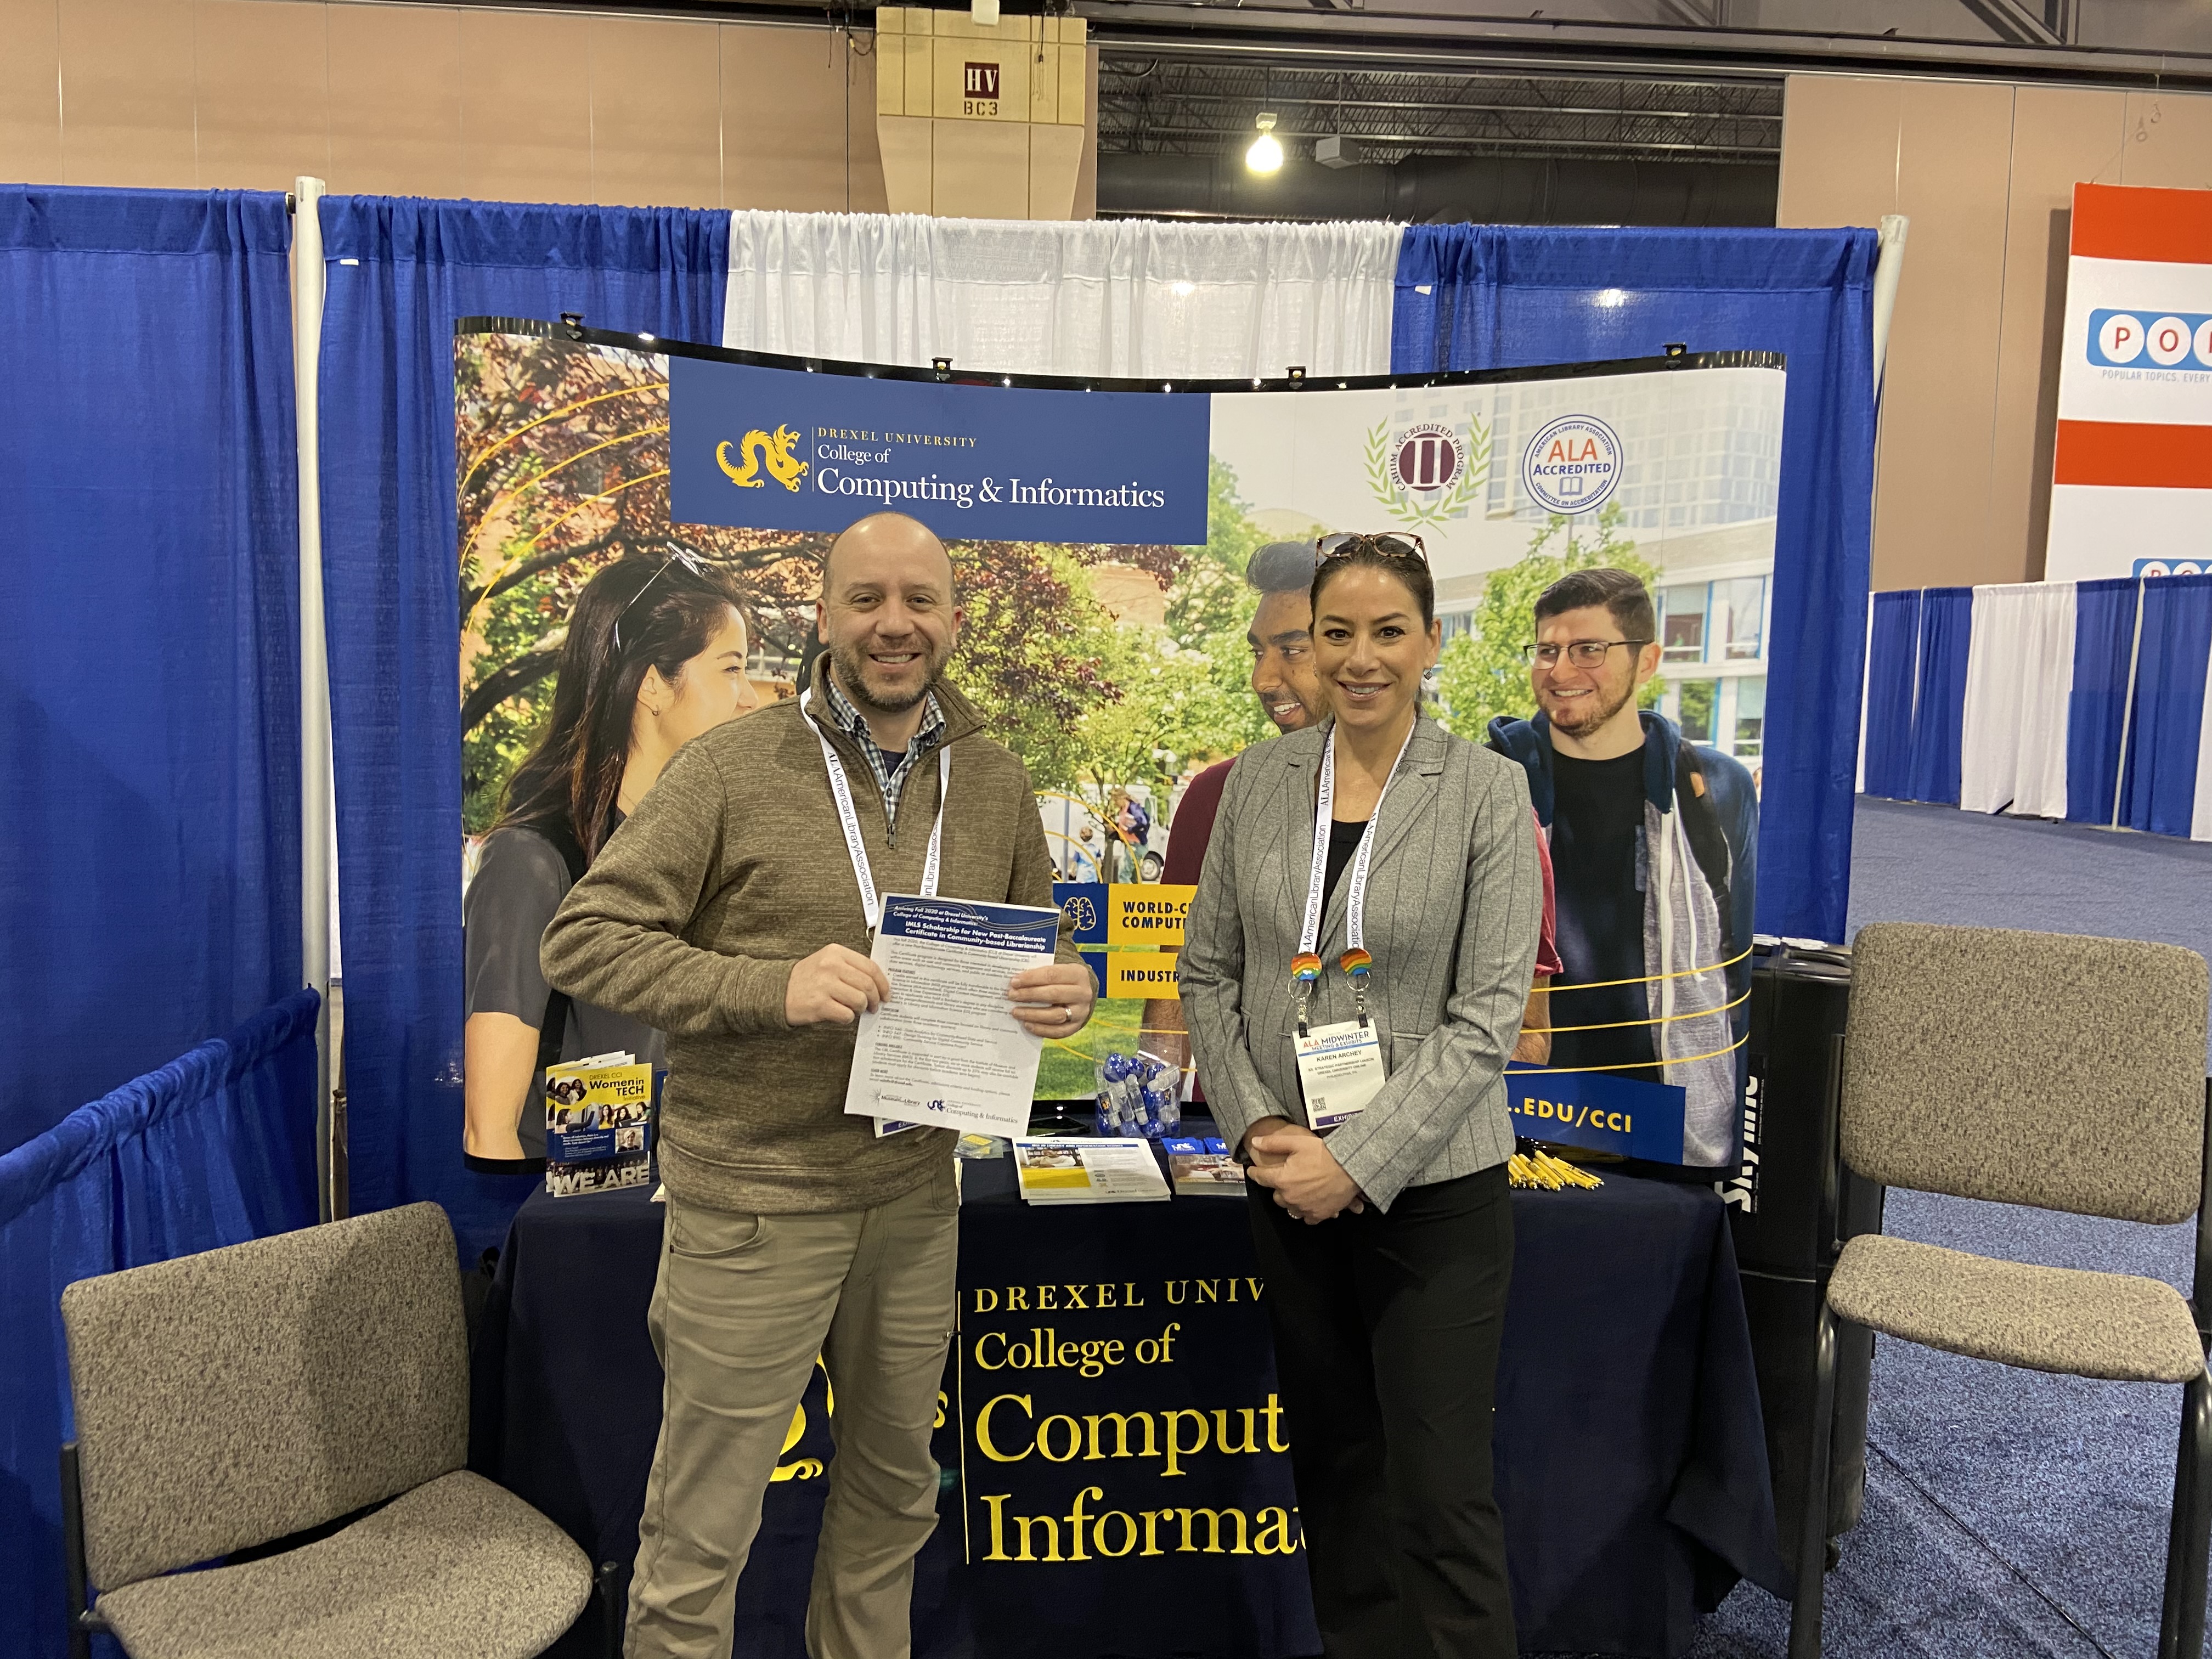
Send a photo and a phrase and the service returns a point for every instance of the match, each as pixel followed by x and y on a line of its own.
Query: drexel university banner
pixel 1105 540
pixel 815 452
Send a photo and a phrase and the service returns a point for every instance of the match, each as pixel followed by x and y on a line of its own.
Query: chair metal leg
pixel 79 1634
pixel 1813 1523
pixel 2181 1625
pixel 608 1578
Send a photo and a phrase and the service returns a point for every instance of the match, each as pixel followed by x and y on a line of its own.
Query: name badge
pixel 1340 1069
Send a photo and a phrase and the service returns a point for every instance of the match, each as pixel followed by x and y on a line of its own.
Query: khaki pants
pixel 743 1305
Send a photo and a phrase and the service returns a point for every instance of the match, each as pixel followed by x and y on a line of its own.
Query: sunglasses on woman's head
pixel 1389 546
pixel 689 560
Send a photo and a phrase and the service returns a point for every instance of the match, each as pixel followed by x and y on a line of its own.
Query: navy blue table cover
pixel 1632 1462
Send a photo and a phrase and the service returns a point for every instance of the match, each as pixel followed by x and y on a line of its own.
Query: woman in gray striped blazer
pixel 1388 1243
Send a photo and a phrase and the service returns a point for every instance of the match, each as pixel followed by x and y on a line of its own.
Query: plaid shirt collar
pixel 891 780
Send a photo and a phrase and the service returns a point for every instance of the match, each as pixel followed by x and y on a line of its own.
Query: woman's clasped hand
pixel 1296 1165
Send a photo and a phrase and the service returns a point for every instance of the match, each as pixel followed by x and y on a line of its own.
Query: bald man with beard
pixel 727 913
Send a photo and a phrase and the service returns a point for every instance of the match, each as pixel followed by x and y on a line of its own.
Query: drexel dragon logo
pixel 1429 471
pixel 778 452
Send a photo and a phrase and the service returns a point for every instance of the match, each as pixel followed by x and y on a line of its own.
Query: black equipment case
pixel 1790 1209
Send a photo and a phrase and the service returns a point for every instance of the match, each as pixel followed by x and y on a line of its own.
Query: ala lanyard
pixel 857 849
pixel 1305 966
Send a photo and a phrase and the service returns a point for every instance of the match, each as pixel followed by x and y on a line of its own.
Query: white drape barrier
pixel 1123 298
pixel 2020 679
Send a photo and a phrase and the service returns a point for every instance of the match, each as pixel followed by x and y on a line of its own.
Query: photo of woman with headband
pixel 1356 963
pixel 655 655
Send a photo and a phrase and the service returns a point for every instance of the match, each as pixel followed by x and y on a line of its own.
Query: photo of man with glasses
pixel 1654 846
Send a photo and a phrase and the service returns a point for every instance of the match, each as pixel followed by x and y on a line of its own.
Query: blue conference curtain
pixel 1939 704
pixel 2159 793
pixel 1893 673
pixel 2096 710
pixel 214 1148
pixel 1489 296
pixel 148 508
pixel 401 272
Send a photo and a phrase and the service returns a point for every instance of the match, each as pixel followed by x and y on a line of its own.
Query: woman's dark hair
pixel 1389 553
pixel 634 615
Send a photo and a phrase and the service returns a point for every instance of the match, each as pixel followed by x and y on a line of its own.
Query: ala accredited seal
pixel 1573 464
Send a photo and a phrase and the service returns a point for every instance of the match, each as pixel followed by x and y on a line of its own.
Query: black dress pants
pixel 1387 1331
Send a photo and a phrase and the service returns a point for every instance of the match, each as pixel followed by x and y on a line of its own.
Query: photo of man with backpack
pixel 1655 847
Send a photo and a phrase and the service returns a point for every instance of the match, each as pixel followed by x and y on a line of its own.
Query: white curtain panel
pixel 2019 677
pixel 1125 298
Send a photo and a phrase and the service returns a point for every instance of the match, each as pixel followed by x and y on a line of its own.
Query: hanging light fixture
pixel 1266 154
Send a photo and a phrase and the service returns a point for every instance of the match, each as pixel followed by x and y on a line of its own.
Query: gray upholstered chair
pixel 2039 1069
pixel 229 1400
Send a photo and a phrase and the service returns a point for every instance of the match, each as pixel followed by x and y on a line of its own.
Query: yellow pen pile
pixel 1540 1168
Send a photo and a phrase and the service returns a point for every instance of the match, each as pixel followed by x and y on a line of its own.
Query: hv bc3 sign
pixel 780 449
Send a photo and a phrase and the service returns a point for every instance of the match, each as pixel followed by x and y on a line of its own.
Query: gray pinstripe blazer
pixel 1454 902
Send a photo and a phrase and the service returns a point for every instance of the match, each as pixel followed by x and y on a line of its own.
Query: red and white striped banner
pixel 2131 485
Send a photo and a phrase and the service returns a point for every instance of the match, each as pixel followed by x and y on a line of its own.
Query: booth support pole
pixel 318 806
pixel 1866 691
pixel 1889 266
pixel 2128 709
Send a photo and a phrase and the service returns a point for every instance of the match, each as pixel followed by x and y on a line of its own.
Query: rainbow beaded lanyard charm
pixel 1357 961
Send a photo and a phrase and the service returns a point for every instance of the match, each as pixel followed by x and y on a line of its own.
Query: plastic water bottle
pixel 1161 1089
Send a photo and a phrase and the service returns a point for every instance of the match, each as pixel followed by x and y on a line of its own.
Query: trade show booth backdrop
pixel 2082 700
pixel 150 455
pixel 575 454
pixel 1547 296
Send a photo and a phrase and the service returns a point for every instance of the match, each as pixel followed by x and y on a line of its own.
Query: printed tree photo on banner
pixel 1114 672
pixel 1101 666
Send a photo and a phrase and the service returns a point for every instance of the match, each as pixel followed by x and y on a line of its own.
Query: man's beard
pixel 1593 711
pixel 851 664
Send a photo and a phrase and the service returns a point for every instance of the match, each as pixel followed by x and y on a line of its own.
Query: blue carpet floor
pixel 2007 1512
